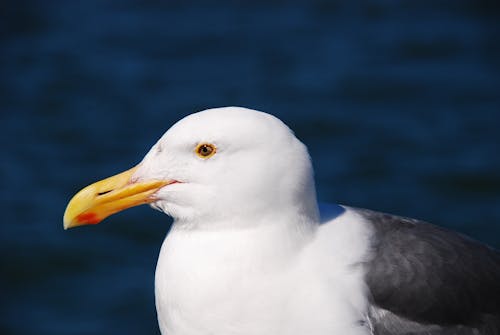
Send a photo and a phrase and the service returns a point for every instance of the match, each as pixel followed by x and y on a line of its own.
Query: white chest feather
pixel 262 282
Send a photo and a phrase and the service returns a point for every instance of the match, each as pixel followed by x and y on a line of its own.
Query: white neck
pixel 251 278
pixel 265 243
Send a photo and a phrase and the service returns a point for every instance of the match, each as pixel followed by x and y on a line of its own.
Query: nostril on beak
pixel 102 193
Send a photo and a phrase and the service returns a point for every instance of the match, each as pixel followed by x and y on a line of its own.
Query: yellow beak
pixel 97 201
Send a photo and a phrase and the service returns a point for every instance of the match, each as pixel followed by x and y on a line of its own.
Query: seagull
pixel 250 250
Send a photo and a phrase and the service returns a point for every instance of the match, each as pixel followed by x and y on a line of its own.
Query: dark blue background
pixel 398 103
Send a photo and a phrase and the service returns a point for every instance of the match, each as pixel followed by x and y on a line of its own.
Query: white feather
pixel 247 253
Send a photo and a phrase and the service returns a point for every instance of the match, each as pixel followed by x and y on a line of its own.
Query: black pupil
pixel 205 150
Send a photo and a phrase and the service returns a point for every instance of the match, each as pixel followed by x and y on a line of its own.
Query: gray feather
pixel 424 279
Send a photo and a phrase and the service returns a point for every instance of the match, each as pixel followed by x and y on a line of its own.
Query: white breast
pixel 237 283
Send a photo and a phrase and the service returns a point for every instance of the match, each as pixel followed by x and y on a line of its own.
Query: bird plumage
pixel 249 251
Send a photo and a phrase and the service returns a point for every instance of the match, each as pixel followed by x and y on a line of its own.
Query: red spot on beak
pixel 90 218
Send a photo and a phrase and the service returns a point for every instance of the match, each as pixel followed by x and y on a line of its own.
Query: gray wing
pixel 424 279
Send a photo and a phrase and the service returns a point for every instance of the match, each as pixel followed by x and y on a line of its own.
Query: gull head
pixel 211 168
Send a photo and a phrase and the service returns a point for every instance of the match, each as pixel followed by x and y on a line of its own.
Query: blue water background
pixel 398 102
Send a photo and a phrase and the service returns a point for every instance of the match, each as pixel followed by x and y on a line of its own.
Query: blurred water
pixel 398 103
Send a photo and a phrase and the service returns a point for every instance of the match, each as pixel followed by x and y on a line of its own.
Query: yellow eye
pixel 205 150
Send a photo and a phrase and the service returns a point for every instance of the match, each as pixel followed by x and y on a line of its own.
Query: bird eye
pixel 205 150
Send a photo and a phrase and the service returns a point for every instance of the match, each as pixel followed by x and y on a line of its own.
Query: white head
pixel 215 167
pixel 257 165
